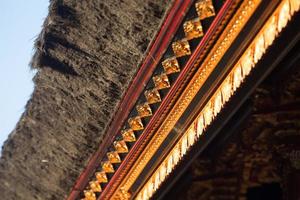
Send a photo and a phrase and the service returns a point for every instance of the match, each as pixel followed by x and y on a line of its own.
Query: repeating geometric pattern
pixel 192 29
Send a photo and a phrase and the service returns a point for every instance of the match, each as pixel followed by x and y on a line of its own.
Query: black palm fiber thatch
pixel 86 55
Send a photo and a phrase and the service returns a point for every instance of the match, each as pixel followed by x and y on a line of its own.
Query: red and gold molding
pixel 180 47
pixel 265 37
pixel 157 49
pixel 231 31
pixel 170 65
pixel 193 29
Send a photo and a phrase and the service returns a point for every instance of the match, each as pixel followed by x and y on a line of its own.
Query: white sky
pixel 20 24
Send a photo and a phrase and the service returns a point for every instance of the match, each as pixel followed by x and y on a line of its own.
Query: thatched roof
pixel 86 55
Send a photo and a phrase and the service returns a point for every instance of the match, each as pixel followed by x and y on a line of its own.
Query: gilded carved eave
pixel 153 95
pixel 149 125
pixel 265 37
pixel 261 143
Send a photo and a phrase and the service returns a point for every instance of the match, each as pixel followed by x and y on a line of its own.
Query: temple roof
pixel 115 116
pixel 86 55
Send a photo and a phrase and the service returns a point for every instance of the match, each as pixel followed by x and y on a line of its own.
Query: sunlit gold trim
pixel 122 195
pixel 205 9
pixel 171 65
pixel 152 96
pixel 107 167
pixel 121 146
pixel 89 195
pixel 101 177
pixel 254 52
pixel 229 34
pixel 193 29
pixel 136 123
pixel 144 110
pixel 217 103
pixel 161 81
pixel 128 135
pixel 113 157
pixel 95 186
pixel 181 48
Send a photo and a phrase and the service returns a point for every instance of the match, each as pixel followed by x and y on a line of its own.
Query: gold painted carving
pixel 171 65
pixel 95 186
pixel 161 81
pixel 121 146
pixel 89 195
pixel 276 23
pixel 107 167
pixel 101 177
pixel 113 157
pixel 181 48
pixel 122 195
pixel 205 9
pixel 128 135
pixel 234 27
pixel 144 110
pixel 152 96
pixel 136 123
pixel 193 29
pixel 234 79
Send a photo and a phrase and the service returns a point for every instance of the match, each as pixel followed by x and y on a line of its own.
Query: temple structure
pixel 161 100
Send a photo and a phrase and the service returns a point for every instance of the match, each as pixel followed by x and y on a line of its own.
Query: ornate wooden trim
pixel 243 14
pixel 156 50
pixel 149 131
pixel 265 37
pixel 177 99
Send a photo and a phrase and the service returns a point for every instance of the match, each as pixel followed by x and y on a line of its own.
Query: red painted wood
pixel 158 47
pixel 166 101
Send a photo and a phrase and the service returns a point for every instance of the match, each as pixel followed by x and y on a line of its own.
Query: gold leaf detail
pixel 121 146
pixel 171 65
pixel 144 110
pixel 205 9
pixel 95 186
pixel 181 48
pixel 136 123
pixel 89 195
pixel 128 135
pixel 193 29
pixel 101 177
pixel 161 81
pixel 152 96
pixel 107 167
pixel 113 157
